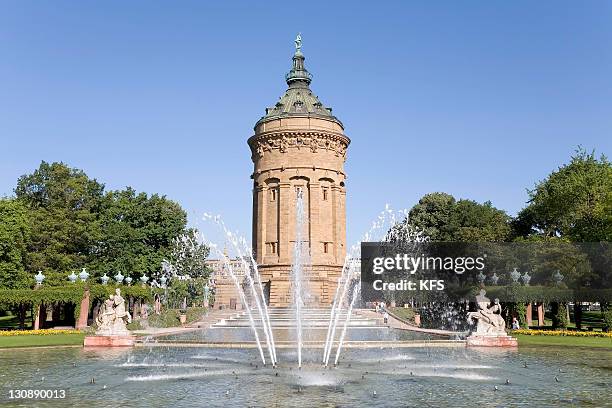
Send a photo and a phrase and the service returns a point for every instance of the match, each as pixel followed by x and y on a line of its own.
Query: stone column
pixel 529 313
pixel 84 313
pixel 284 246
pixel 314 207
pixel 260 222
pixel 37 320
pixel 540 314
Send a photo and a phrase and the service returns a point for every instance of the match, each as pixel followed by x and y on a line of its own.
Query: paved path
pixel 396 323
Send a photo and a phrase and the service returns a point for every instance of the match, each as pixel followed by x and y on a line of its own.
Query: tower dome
pixel 298 100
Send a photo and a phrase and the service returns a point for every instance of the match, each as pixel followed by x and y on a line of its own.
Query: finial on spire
pixel 298 43
pixel 298 76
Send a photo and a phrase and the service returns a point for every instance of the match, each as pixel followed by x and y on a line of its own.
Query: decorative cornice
pixel 313 140
pixel 273 170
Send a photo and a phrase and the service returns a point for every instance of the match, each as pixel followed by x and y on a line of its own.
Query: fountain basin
pixel 109 341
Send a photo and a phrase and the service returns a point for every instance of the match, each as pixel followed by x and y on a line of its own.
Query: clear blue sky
pixel 479 99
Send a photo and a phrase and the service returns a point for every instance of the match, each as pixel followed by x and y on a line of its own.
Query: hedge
pixel 69 293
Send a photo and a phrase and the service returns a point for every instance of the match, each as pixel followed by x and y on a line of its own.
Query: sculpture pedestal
pixel 109 341
pixel 476 340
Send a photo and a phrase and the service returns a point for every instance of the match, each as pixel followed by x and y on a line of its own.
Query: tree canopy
pixel 443 218
pixel 63 220
pixel 574 202
pixel 14 240
pixel 63 206
pixel 137 232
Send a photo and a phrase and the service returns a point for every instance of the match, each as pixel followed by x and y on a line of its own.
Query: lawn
pixel 599 342
pixel 37 341
pixel 404 313
pixel 12 322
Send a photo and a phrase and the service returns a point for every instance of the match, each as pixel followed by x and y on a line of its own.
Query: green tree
pixel 188 255
pixel 432 214
pixel 63 205
pixel 573 202
pixel 443 218
pixel 137 232
pixel 14 238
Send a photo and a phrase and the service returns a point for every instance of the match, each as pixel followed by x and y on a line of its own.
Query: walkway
pixel 396 323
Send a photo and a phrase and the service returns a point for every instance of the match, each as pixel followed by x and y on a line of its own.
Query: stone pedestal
pixel 109 341
pixel 491 341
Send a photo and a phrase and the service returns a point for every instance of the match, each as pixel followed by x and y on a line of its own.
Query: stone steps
pixel 316 318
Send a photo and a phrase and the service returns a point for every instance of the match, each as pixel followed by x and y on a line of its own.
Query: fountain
pixel 242 359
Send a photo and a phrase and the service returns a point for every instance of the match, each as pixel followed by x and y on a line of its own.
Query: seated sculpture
pixel 489 320
pixel 112 318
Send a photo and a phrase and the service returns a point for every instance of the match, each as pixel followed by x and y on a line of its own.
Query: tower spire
pixel 298 76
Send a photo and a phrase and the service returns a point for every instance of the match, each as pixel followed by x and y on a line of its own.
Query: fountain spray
pixel 250 265
pixel 243 299
pixel 297 271
pixel 356 291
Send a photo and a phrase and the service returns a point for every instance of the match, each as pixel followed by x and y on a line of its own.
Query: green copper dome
pixel 298 100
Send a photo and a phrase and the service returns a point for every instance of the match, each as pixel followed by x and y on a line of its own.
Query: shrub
pixel 607 318
pixel 559 316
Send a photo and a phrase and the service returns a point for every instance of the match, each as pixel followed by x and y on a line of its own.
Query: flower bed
pixel 42 332
pixel 568 333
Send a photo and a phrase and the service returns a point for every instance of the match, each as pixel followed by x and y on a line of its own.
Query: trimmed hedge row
pixel 69 293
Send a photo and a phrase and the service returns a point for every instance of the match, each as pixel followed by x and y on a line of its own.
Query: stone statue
pixel 298 43
pixel 111 320
pixel 106 317
pixel 489 318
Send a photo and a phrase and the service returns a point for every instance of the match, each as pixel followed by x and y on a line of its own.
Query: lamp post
pixel 144 279
pixel 526 278
pixel 515 275
pixel 39 278
pixel 119 277
pixel 206 295
pixel 557 277
pixel 83 275
pixel 104 279
pixel 494 279
pixel 72 277
pixel 481 277
pixel 128 280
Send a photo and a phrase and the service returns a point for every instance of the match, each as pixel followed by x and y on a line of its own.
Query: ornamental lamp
pixel 39 278
pixel 515 275
pixel 72 277
pixel 119 277
pixel 83 275
pixel 128 280
pixel 144 279
pixel 526 278
pixel 494 279
pixel 481 277
pixel 104 279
